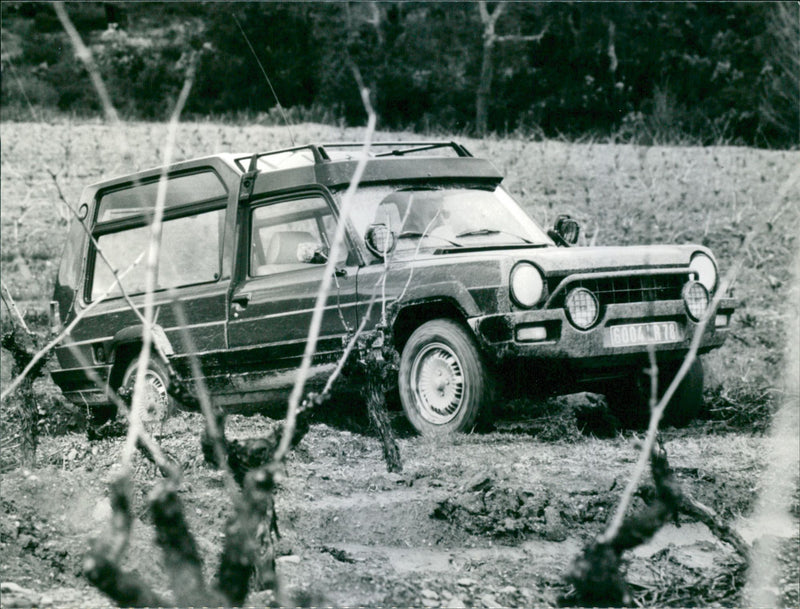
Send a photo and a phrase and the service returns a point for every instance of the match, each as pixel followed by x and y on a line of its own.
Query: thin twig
pixel 206 406
pixel 322 295
pixel 85 55
pixel 46 349
pixel 12 307
pixel 269 82
pixel 148 444
pixel 658 411
pixel 150 273
pixel 351 343
pixel 98 249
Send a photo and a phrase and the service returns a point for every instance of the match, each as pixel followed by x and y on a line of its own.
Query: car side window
pixel 191 239
pixel 190 248
pixel 291 235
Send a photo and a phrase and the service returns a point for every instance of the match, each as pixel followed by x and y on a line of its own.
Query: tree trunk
pixel 484 88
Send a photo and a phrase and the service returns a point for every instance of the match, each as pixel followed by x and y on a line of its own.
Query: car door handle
pixel 340 271
pixel 239 303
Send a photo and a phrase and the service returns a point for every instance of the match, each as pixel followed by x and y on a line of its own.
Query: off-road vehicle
pixel 481 298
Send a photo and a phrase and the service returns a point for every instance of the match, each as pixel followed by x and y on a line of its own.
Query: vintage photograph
pixel 400 304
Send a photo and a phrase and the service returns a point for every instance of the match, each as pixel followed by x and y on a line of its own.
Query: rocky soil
pixel 483 520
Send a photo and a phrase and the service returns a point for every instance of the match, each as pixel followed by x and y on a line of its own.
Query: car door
pixel 280 268
pixel 191 268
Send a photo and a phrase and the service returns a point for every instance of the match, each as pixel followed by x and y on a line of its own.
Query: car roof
pixel 333 164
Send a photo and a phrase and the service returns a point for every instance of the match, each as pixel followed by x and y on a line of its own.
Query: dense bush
pixel 646 72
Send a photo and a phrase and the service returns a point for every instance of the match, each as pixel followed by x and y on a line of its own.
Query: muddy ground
pixel 489 519
pixel 480 520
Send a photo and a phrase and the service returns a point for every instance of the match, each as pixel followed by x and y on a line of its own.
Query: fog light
pixel 695 296
pixel 721 321
pixel 582 308
pixel 531 333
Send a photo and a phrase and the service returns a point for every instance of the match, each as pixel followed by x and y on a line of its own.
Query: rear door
pixel 193 268
pixel 280 265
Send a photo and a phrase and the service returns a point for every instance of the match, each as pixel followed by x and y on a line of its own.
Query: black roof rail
pixel 400 148
pixel 378 149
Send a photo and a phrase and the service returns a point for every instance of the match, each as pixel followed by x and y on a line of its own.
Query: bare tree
pixel 490 39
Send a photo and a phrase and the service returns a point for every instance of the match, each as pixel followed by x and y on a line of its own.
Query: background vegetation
pixel 631 72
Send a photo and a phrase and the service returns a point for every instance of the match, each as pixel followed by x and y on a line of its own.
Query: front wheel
pixel 443 380
pixel 629 399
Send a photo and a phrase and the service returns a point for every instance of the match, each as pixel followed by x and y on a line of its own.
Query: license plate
pixel 652 333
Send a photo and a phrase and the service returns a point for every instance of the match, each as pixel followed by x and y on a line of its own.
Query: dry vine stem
pixel 150 274
pixel 46 349
pixel 617 592
pixel 658 410
pixel 324 289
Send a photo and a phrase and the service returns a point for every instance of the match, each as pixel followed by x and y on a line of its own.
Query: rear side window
pixel 191 240
pixel 190 254
pixel 141 198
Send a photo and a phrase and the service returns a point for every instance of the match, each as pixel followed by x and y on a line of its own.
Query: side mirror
pixel 566 231
pixel 380 240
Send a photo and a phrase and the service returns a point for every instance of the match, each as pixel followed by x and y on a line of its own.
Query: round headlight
pixel 706 270
pixel 582 308
pixel 695 296
pixel 527 285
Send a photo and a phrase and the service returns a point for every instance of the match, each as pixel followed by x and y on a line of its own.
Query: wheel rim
pixel 437 383
pixel 155 397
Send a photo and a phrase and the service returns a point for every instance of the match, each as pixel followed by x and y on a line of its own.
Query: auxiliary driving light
pixel 582 308
pixel 695 295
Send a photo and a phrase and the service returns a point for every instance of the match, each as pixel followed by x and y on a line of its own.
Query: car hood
pixel 560 261
pixel 563 261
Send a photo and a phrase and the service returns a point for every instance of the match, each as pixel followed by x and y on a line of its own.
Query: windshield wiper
pixel 418 235
pixel 491 231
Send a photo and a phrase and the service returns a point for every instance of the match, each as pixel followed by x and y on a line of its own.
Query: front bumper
pixel 499 334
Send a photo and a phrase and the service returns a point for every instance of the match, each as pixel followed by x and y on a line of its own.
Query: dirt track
pixel 485 520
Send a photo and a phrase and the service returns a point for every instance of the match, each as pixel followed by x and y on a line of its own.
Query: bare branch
pixel 12 307
pixel 182 560
pixel 523 38
pixel 101 565
pixel 658 411
pixel 322 295
pixel 214 432
pixel 100 253
pixel 134 427
pixel 85 55
pixel 83 313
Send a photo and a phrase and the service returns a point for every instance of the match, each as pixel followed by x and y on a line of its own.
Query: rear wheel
pixel 443 380
pixel 629 398
pixel 158 405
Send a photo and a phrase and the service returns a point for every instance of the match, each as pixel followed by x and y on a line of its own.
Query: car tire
pixel 158 405
pixel 687 404
pixel 629 398
pixel 443 380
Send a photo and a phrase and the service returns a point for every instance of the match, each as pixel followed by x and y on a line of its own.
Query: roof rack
pixel 324 153
pixel 402 148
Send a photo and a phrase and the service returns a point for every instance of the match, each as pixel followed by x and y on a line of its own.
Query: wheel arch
pixel 127 344
pixel 412 316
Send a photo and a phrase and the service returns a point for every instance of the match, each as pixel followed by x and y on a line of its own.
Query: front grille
pixel 627 289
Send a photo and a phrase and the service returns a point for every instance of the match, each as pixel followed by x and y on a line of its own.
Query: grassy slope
pixel 621 194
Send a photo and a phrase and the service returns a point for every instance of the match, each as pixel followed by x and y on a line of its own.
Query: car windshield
pixel 446 217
